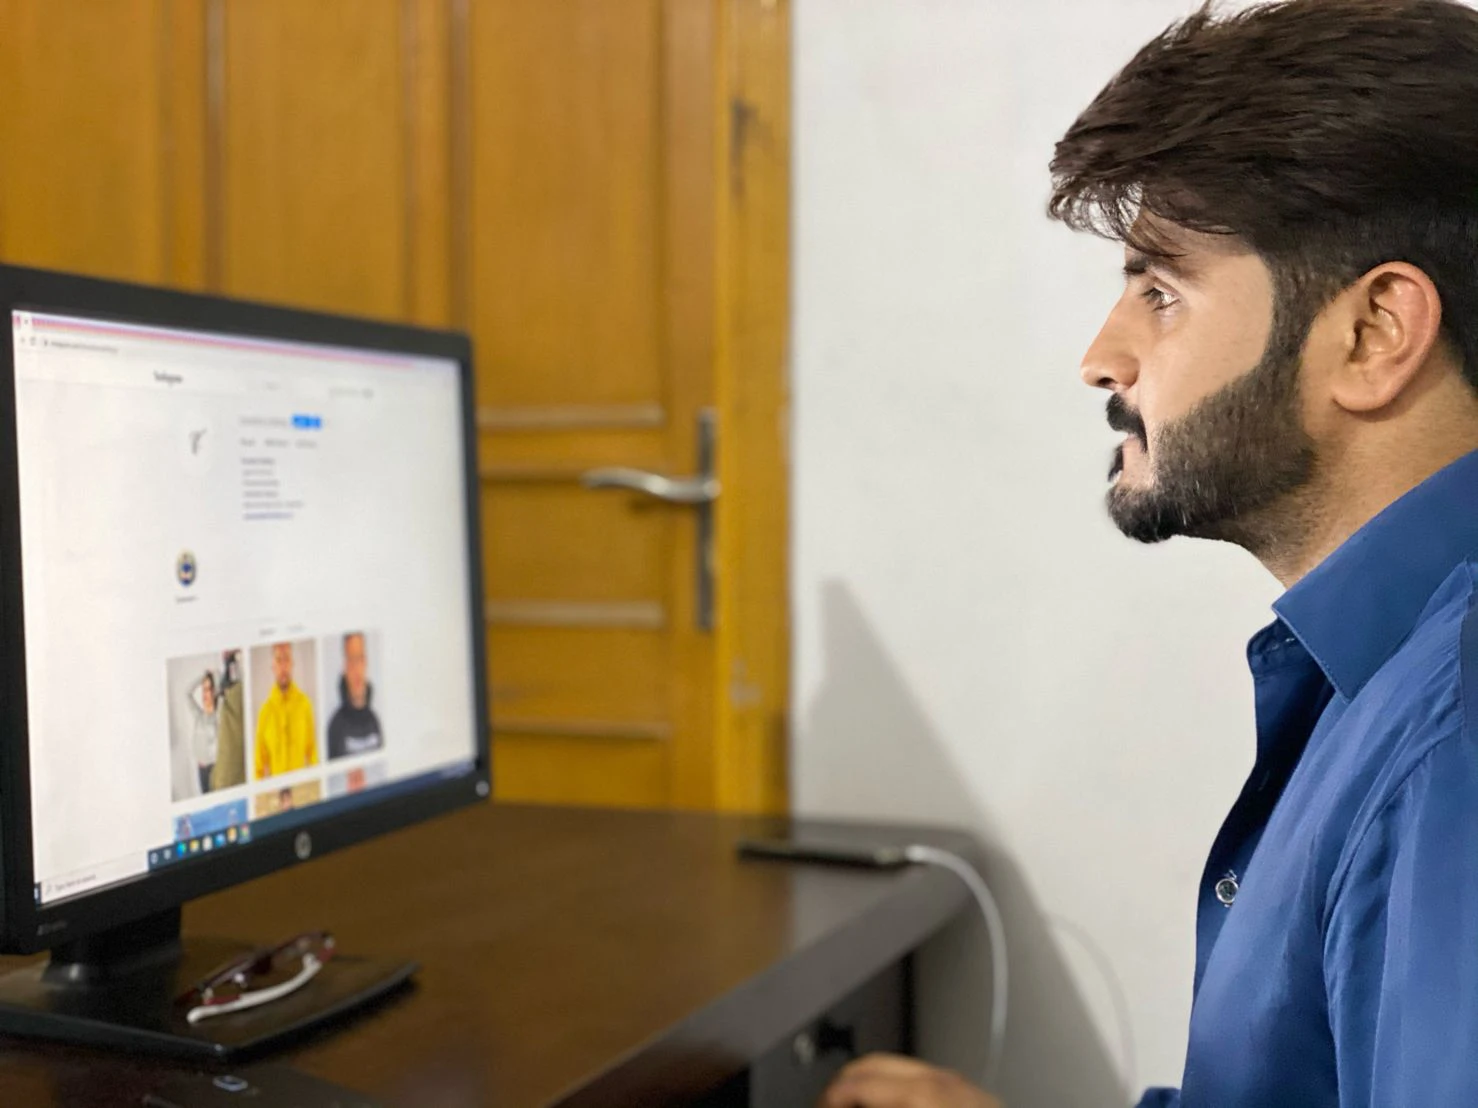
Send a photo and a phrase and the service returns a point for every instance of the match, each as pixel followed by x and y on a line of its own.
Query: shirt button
pixel 1226 891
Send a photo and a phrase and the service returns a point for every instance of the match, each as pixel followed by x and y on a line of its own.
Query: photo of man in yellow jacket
pixel 286 739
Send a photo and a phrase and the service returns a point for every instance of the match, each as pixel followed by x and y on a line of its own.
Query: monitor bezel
pixel 25 926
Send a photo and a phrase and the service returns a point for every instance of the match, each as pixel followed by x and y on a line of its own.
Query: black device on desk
pixel 825 852
pixel 262 1087
pixel 240 626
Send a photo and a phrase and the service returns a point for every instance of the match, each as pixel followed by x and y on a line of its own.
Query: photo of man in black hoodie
pixel 354 728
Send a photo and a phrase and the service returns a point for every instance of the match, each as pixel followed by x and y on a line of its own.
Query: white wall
pixel 975 643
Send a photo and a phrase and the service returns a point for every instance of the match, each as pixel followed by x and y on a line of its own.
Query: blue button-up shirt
pixel 1344 970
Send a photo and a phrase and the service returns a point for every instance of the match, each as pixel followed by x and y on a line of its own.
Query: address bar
pixel 90 363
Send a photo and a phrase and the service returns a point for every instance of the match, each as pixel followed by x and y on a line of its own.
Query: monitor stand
pixel 118 990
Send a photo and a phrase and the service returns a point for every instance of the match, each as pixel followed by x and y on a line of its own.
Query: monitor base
pixel 118 991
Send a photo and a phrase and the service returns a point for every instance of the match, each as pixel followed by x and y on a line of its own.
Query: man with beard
pixel 354 728
pixel 285 738
pixel 1294 361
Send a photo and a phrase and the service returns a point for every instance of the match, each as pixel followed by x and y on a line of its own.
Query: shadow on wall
pixel 872 739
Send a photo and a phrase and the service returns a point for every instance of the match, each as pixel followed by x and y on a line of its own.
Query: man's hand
pixel 891 1081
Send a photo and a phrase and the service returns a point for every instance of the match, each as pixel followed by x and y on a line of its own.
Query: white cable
pixel 995 928
pixel 258 997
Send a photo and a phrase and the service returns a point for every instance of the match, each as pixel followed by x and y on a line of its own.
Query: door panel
pixel 101 153
pixel 316 141
pixel 560 541
pixel 580 771
pixel 567 206
pixel 592 678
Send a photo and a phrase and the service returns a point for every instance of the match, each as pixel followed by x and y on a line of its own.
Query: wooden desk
pixel 574 958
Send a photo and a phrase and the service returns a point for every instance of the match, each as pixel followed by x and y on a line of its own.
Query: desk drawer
pixel 874 1018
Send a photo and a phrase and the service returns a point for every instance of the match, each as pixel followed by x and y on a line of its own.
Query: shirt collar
pixel 1357 606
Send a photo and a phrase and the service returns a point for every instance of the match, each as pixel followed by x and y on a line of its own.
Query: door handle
pixel 697 492
pixel 670 490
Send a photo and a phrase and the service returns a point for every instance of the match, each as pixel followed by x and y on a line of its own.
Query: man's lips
pixel 1131 445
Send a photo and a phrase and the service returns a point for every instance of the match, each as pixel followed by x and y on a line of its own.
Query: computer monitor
pixel 240 626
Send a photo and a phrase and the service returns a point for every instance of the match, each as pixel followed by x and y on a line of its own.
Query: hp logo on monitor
pixel 303 846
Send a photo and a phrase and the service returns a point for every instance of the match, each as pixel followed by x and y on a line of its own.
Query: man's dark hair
pixel 1329 136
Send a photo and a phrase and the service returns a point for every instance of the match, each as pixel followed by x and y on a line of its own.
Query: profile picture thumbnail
pixel 354 728
pixel 206 725
pixel 274 802
pixel 285 737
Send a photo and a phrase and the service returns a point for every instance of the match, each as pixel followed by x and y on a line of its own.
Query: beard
pixel 1225 468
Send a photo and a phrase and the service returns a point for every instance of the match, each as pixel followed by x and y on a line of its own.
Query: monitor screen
pixel 244 570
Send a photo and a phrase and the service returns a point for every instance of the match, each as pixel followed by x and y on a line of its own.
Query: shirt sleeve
pixel 1160 1098
pixel 1400 954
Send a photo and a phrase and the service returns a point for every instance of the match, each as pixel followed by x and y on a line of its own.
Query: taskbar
pixel 196 847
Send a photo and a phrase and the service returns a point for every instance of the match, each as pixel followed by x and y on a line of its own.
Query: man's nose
pixel 1109 362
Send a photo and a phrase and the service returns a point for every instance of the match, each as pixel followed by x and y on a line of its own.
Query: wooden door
pixel 596 189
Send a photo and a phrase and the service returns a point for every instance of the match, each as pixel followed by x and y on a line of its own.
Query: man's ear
pixel 1386 324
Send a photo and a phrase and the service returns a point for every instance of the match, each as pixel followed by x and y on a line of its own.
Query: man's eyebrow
pixel 1137 264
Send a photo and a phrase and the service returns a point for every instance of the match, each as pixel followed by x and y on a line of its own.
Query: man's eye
pixel 1158 298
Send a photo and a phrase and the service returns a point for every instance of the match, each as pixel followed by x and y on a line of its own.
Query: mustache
pixel 1121 417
